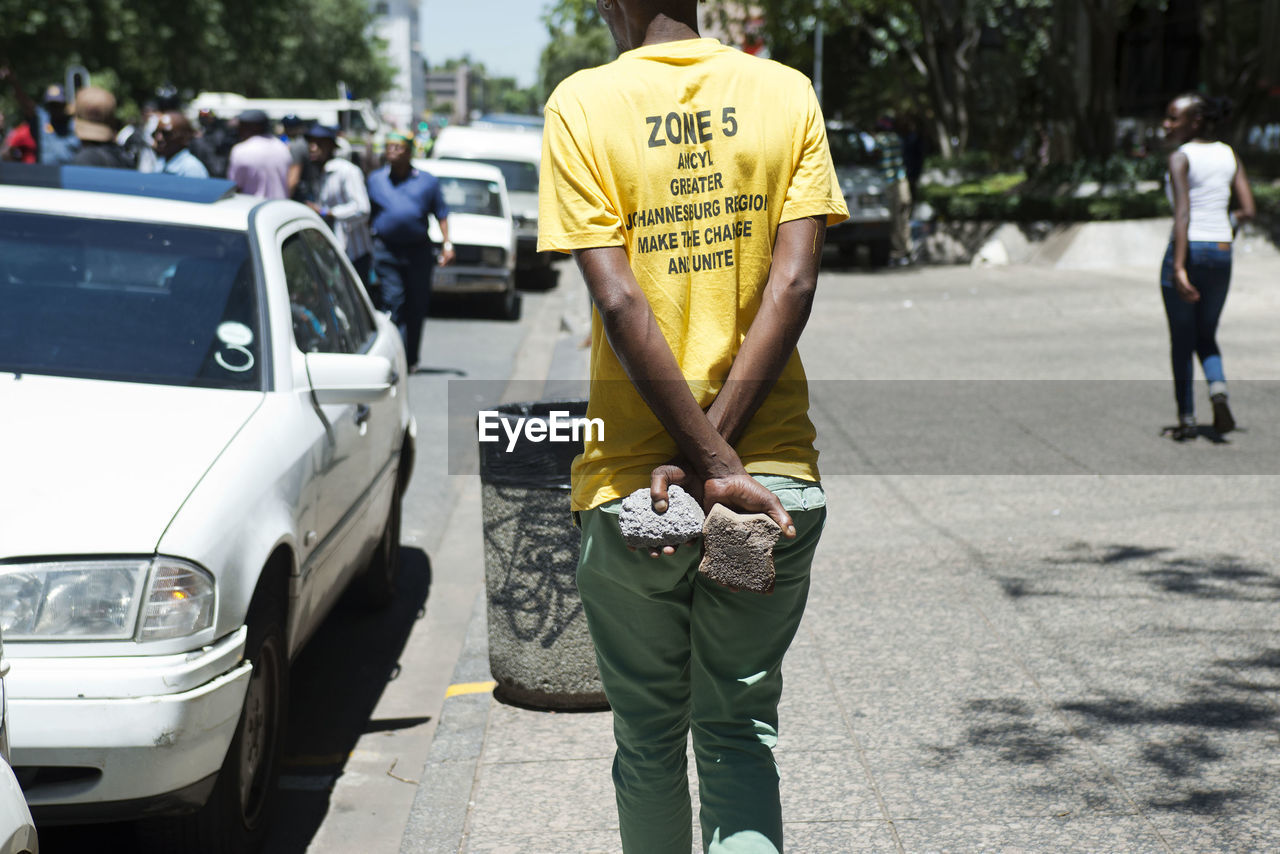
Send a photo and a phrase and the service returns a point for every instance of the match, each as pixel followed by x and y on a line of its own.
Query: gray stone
pixel 737 549
pixel 643 528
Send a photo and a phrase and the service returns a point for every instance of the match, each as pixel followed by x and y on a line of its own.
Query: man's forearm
pixel 772 338
pixel 645 355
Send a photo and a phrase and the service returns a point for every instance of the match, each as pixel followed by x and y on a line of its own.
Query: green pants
pixel 678 652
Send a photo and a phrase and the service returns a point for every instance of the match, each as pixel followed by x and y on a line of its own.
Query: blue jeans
pixel 404 289
pixel 1193 326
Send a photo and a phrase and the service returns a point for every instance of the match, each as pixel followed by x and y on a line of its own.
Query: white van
pixel 517 151
pixel 355 118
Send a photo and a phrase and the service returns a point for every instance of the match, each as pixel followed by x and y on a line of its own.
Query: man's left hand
pixel 446 255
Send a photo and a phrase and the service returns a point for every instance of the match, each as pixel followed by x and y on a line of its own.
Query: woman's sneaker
pixel 1222 420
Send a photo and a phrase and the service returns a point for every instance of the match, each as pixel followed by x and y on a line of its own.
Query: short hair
pixel 1212 112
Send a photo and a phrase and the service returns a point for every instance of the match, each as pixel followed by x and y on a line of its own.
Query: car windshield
pixel 471 195
pixel 521 177
pixel 128 301
pixel 852 148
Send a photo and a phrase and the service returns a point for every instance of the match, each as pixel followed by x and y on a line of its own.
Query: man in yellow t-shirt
pixel 693 185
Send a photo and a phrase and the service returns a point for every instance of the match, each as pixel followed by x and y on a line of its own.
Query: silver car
pixel 857 161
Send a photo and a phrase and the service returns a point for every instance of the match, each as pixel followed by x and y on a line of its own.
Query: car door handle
pixel 362 413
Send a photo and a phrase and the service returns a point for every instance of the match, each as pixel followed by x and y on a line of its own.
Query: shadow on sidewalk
pixel 337 681
pixel 1157 680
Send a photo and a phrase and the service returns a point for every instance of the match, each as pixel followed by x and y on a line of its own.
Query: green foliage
pixel 579 39
pixel 282 48
pixel 1116 170
pixel 1267 198
pixel 976 203
pixel 1262 165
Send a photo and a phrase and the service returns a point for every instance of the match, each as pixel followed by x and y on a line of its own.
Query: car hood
pixel 476 230
pixel 93 467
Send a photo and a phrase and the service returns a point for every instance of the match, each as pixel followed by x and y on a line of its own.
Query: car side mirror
pixel 350 377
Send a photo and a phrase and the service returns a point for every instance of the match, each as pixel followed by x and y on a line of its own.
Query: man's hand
pixel 745 494
pixel 1182 283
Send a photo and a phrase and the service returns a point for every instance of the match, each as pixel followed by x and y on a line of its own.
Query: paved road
pixel 1012 642
pixel 1023 630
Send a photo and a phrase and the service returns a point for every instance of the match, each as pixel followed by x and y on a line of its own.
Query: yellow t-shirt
pixel 689 154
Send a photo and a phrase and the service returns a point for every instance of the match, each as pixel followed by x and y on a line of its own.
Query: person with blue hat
pixel 341 198
pixel 50 123
pixel 259 163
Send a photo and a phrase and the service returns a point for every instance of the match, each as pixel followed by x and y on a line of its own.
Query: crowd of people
pixel 382 221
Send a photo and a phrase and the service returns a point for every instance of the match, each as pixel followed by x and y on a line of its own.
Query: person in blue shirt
pixel 401 200
pixel 172 137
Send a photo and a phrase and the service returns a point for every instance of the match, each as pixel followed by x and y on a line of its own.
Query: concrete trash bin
pixel 540 653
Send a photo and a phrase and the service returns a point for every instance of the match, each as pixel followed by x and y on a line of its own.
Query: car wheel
pixel 880 253
pixel 507 305
pixel 235 818
pixel 377 583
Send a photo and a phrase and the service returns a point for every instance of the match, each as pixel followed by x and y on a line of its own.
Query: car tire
pixel 236 817
pixel 377 582
pixel 880 253
pixel 507 305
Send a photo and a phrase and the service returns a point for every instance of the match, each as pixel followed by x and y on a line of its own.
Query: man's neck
pixel 400 172
pixel 667 29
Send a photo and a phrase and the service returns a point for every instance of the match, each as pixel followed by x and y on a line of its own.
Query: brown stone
pixel 737 549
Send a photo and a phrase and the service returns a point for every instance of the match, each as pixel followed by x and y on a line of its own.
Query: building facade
pixel 396 23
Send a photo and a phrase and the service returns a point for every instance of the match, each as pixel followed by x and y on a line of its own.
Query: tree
pixel 285 48
pixel 579 39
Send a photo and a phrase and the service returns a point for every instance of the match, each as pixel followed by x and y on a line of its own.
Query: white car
pixel 206 439
pixel 517 151
pixel 17 833
pixel 482 233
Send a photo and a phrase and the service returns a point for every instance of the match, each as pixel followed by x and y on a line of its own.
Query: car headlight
pixel 142 599
pixel 492 256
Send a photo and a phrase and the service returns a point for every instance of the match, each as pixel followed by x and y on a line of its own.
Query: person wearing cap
pixel 95 126
pixel 172 140
pixel 51 125
pixel 259 162
pixel 404 257
pixel 341 198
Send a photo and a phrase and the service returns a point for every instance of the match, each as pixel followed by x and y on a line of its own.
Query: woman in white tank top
pixel 1203 173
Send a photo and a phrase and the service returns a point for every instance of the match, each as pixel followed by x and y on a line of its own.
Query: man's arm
pixel 645 355
pixel 25 104
pixel 446 248
pixel 357 203
pixel 784 311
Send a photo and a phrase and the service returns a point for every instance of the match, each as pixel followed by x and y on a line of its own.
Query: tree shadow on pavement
pixel 1178 702
pixel 1160 569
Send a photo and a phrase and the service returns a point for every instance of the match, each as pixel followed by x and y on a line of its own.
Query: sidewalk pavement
pixel 1023 662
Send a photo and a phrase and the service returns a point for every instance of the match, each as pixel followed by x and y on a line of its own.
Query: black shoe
pixel 1184 432
pixel 1222 420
